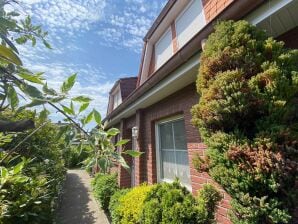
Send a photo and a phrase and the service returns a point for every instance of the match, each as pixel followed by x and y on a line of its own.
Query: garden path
pixel 78 206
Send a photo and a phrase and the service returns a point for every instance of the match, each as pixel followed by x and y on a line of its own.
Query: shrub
pixel 169 203
pixel 247 116
pixel 131 204
pixel 74 156
pixel 35 174
pixel 208 197
pixel 114 205
pixel 104 186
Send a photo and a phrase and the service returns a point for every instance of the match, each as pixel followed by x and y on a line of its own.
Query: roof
pixel 236 10
pixel 127 86
pixel 159 19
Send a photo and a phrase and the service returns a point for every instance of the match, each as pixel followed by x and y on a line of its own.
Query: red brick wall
pixel 145 166
pixel 213 7
pixel 178 103
pixel 124 177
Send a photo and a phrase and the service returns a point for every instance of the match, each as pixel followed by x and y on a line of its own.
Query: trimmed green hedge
pixel 104 186
pixel 114 205
pixel 163 203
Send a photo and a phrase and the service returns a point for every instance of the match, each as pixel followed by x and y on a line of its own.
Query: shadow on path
pixel 78 205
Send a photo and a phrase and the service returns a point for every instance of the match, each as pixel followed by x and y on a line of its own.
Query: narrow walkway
pixel 78 206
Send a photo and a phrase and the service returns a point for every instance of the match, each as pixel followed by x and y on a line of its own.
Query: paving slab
pixel 78 206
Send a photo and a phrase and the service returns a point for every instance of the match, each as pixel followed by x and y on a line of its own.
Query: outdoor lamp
pixel 135 132
pixel 203 42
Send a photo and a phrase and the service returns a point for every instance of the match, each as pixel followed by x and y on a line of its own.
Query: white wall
pixel 189 22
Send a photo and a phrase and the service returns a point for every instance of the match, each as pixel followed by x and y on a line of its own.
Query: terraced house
pixel 153 109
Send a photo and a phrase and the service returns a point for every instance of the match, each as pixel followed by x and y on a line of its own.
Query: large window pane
pixel 166 136
pixel 163 49
pixel 179 135
pixel 173 152
pixel 190 22
pixel 168 165
pixel 182 167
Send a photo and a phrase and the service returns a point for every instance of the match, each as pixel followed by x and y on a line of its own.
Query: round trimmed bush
pixel 169 203
pixel 131 204
pixel 114 205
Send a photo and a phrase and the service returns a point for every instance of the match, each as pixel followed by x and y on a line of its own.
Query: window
pixel 190 22
pixel 172 156
pixel 163 49
pixel 117 100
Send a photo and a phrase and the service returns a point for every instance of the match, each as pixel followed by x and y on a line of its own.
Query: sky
pixel 101 40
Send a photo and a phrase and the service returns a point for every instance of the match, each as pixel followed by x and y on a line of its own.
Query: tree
pixel 247 116
pixel 16 80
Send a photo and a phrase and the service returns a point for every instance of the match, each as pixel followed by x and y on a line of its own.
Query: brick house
pixel 153 109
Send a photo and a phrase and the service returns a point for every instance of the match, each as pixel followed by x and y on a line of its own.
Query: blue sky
pixel 99 39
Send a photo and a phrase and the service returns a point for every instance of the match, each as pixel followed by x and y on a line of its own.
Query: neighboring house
pixel 155 114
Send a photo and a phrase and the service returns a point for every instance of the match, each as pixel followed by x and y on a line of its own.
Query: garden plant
pixel 31 157
pixel 248 116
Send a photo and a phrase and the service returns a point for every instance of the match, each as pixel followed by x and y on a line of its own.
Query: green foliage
pixel 75 155
pixel 170 203
pixel 115 205
pixel 131 204
pixel 208 197
pixel 31 186
pixel 247 115
pixel 104 186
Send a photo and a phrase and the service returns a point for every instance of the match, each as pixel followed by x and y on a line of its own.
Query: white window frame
pixel 169 30
pixel 158 153
pixel 117 93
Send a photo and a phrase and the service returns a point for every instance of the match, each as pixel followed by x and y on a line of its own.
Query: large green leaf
pixel 89 118
pixel 68 110
pixel 33 103
pixel 48 90
pixel 31 78
pixel 68 84
pixel 82 99
pixel 122 142
pixel 12 96
pixel 43 115
pixel 113 132
pixel 8 55
pixel 32 91
pixel 133 153
pixel 18 168
pixel 83 107
pixel 9 42
pixel 97 116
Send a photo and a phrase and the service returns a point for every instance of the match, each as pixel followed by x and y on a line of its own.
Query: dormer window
pixel 189 22
pixel 117 100
pixel 163 49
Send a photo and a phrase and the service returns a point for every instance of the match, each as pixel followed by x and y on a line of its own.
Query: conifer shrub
pixel 248 116
pixel 104 186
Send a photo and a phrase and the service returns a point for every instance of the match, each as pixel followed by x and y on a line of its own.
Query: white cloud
pixel 91 82
pixel 69 16
pixel 127 27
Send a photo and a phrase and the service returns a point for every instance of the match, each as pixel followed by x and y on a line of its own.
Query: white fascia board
pixel 181 77
pixel 266 10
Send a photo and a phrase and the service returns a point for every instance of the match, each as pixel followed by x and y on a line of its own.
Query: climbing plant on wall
pixel 247 115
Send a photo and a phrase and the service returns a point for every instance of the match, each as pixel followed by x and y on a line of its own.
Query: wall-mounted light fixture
pixel 135 132
pixel 203 42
